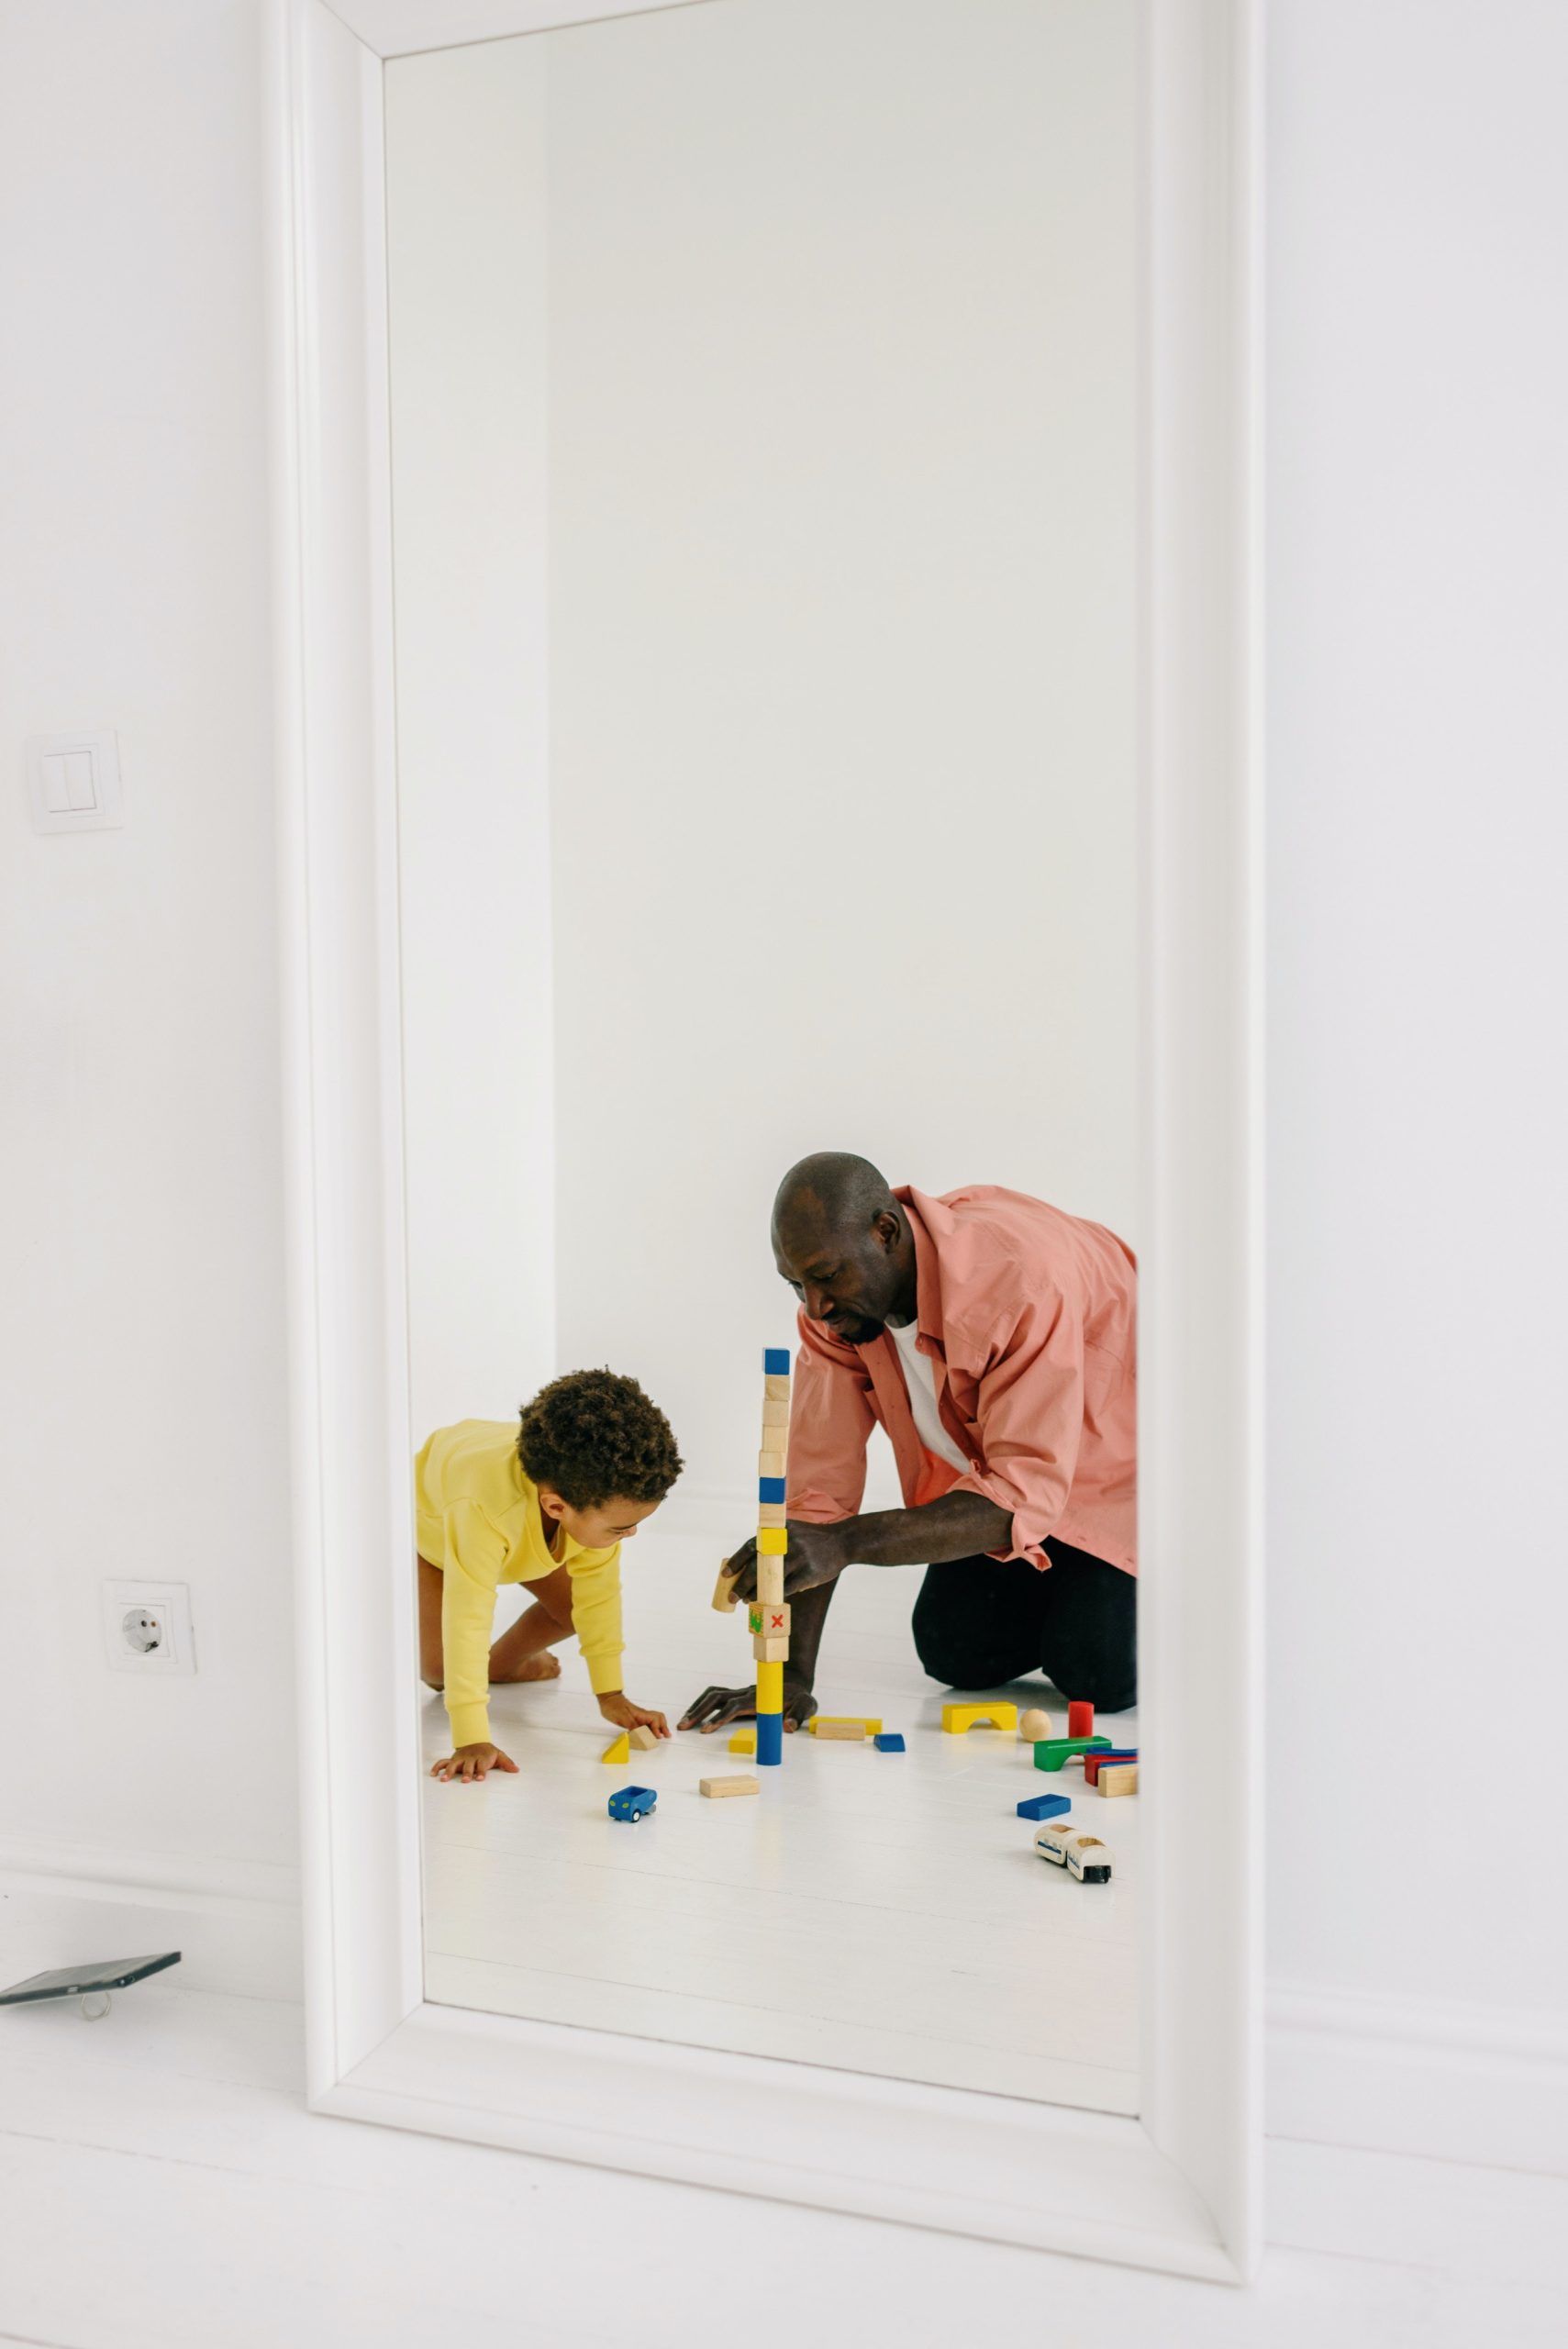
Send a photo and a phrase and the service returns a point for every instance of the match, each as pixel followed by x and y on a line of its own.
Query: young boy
pixel 547 1503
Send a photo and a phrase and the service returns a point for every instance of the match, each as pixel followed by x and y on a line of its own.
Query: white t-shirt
pixel 921 1379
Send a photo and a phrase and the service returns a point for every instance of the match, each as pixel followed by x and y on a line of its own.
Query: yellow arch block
pixel 956 1719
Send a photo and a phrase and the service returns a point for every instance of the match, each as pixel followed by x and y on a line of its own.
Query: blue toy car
pixel 632 1802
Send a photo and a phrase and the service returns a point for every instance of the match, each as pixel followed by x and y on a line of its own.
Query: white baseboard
pixel 1459 2083
pixel 235 1922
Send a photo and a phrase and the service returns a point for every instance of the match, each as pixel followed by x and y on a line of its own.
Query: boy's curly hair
pixel 593 1436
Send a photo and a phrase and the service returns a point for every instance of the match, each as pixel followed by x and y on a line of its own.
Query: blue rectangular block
pixel 892 1742
pixel 770 1488
pixel 1044 1807
pixel 770 1739
pixel 775 1361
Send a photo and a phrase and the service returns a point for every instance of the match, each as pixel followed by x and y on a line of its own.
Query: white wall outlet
pixel 147 1627
pixel 73 783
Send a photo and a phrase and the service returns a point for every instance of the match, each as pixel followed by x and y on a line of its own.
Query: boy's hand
pixel 622 1713
pixel 473 1762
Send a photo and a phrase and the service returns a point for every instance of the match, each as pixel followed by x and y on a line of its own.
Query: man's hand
pixel 817 1554
pixel 622 1713
pixel 716 1707
pixel 470 1762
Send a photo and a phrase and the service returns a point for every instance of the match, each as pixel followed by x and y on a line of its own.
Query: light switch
pixel 73 782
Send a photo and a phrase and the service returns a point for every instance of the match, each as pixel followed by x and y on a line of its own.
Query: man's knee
pixel 954 1651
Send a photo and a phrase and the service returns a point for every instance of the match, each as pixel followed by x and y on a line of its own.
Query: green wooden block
pixel 1051 1752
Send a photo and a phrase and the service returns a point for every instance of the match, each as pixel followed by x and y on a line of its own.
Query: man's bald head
pixel 842 1241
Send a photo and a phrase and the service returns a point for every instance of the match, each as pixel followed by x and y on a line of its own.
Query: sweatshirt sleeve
pixel 475 1553
pixel 596 1615
pixel 1031 1423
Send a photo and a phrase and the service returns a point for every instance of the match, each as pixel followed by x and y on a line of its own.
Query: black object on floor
pixel 86 1982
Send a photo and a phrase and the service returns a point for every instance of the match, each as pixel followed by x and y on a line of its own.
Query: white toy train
pixel 1082 1855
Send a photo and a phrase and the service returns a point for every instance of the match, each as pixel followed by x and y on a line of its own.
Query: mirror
pixel 764 432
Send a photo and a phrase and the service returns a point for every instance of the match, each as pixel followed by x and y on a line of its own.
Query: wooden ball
pixel 1035 1724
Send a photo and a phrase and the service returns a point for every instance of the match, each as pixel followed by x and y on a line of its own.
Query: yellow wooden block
pixel 774 1386
pixel 770 1687
pixel 1120 1779
pixel 717 1788
pixel 772 1541
pixel 620 1751
pixel 743 1742
pixel 644 1738
pixel 850 1727
pixel 957 1718
pixel 771 1513
pixel 772 1464
pixel 724 1591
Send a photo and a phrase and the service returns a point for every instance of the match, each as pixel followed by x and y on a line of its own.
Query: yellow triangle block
pixel 620 1751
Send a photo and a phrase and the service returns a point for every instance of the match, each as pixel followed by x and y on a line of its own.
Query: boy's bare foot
pixel 532 1667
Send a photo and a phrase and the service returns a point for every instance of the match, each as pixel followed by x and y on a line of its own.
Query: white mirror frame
pixel 1180 2189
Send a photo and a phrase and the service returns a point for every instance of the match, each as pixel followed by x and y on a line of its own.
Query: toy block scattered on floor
pixel 717 1788
pixel 724 1591
pixel 1080 1717
pixel 850 1726
pixel 743 1742
pixel 643 1737
pixel 1053 1752
pixel 958 1720
pixel 1035 1724
pixel 889 1742
pixel 620 1751
pixel 1044 1807
pixel 1095 1760
pixel 1121 1779
pixel 632 1802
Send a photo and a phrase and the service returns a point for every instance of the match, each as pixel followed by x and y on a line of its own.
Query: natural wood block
pixel 775 1389
pixel 771 1621
pixel 1121 1779
pixel 771 1513
pixel 768 1651
pixel 772 1464
pixel 644 1738
pixel 1035 1723
pixel 850 1727
pixel 775 1413
pixel 715 1788
pixel 769 1580
pixel 724 1591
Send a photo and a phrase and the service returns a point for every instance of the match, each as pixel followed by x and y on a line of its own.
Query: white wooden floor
pixel 162 2187
pixel 883 1912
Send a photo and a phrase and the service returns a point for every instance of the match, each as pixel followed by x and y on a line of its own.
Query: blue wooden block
pixel 770 1488
pixel 1044 1807
pixel 892 1742
pixel 775 1361
pixel 770 1740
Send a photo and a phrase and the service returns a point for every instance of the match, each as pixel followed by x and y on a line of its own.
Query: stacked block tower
pixel 769 1616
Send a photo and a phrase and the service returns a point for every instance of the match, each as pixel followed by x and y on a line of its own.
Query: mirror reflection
pixel 765 516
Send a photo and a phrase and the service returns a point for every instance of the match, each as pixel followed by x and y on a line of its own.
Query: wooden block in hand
pixel 643 1737
pixel 724 1591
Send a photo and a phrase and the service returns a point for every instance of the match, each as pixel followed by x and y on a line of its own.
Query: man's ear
pixel 887 1229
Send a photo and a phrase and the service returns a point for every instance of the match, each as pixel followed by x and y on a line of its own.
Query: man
pixel 994 1339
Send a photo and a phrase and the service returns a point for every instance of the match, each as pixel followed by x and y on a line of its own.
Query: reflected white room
pixel 764 468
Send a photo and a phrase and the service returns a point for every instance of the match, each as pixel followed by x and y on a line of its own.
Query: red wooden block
pixel 1080 1717
pixel 1091 1761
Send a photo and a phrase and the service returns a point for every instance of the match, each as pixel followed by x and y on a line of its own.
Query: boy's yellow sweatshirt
pixel 479 1520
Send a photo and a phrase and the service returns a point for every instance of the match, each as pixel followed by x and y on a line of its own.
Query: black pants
pixel 979 1622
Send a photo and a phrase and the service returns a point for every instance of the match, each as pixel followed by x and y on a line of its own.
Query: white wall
pixel 1418 576
pixel 466 260
pixel 841 641
pixel 144 1430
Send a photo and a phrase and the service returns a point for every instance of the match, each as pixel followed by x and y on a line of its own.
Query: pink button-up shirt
pixel 1030 1320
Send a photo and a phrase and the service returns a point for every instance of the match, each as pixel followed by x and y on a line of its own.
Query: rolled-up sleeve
pixel 1030 1425
pixel 830 1420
